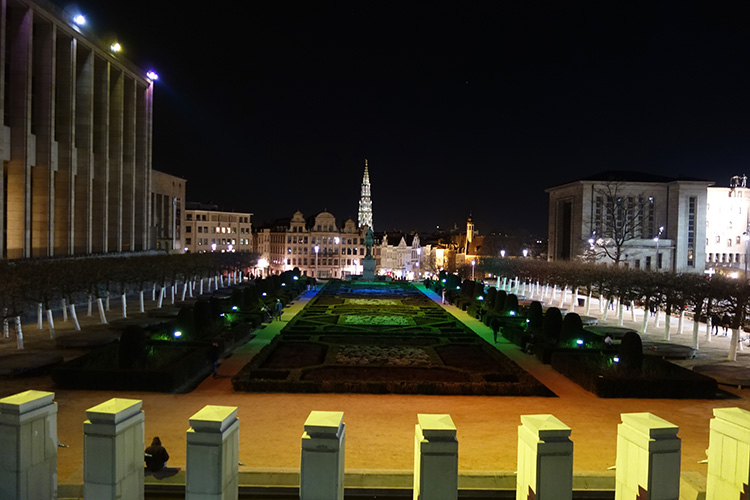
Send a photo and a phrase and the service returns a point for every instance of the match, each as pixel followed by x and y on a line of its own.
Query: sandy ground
pixel 380 428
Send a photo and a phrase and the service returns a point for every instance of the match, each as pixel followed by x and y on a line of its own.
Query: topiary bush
pixel 552 325
pixel 203 317
pixel 631 353
pixel 132 348
pixel 511 304
pixel 185 321
pixel 535 315
pixel 572 330
pixel 500 301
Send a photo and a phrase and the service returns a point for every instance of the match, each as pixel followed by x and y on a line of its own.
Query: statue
pixel 368 242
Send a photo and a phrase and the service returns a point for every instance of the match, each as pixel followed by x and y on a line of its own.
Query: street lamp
pixel 317 249
pixel 473 263
pixel 502 254
pixel 525 252
pixel 656 239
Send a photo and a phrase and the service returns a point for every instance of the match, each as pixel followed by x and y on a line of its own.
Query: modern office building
pixel 208 229
pixel 659 223
pixel 75 139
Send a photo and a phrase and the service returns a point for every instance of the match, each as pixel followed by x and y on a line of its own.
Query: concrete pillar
pixel 213 445
pixel 545 459
pixel 28 440
pixel 728 454
pixel 435 458
pixel 648 458
pixel 322 467
pixel 113 450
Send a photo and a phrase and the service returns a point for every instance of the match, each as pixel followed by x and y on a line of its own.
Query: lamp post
pixel 473 263
pixel 656 239
pixel 317 249
pixel 525 252
pixel 502 254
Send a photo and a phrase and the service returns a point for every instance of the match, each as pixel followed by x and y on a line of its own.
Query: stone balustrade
pixel 647 467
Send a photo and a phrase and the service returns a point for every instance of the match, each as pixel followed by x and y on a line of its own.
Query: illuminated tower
pixel 364 215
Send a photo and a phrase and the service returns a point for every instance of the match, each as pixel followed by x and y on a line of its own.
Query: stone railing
pixel 647 466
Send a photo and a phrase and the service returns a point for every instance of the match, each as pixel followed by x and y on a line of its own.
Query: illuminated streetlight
pixel 525 252
pixel 317 249
pixel 656 239
pixel 502 254
pixel 152 75
pixel 79 19
pixel 115 47
pixel 473 263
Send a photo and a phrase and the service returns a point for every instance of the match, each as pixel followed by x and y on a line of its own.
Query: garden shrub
pixel 203 317
pixel 535 316
pixel 631 353
pixel 236 298
pixel 185 321
pixel 132 348
pixel 511 303
pixel 500 301
pixel 552 325
pixel 572 329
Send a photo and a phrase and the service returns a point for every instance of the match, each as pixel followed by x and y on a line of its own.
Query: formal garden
pixel 382 338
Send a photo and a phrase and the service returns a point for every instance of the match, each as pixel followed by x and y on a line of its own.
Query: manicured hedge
pixel 658 378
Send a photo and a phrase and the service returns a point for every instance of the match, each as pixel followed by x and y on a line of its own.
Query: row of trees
pixel 668 291
pixel 45 283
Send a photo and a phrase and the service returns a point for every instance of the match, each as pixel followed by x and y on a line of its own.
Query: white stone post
pixel 648 458
pixel 113 445
pixel 435 458
pixel 28 440
pixel 213 446
pixel 728 454
pixel 545 459
pixel 322 465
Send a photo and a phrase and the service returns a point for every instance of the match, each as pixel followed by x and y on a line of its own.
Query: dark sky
pixel 272 106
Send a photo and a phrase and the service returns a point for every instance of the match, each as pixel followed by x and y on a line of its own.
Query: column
pixel 728 454
pixel 113 450
pixel 435 458
pixel 648 458
pixel 213 443
pixel 322 467
pixel 28 440
pixel 545 459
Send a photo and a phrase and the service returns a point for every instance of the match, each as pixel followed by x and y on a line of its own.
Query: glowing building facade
pixel 364 214
pixel 75 139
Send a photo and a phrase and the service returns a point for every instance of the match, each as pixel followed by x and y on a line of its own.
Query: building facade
pixel 208 229
pixel 167 204
pixel 728 227
pixel 317 246
pixel 403 260
pixel 75 139
pixel 658 222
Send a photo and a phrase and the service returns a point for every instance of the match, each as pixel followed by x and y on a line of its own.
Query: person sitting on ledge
pixel 156 456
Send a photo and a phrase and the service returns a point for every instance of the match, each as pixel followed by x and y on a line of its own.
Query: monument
pixel 368 263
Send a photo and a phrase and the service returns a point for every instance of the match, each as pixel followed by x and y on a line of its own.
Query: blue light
pixel 579 341
pixel 513 313
pixel 234 308
pixel 177 334
pixel 616 359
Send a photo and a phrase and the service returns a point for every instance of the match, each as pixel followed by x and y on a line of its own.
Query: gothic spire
pixel 364 215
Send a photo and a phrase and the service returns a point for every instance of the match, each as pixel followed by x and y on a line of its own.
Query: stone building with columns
pixel 665 217
pixel 75 139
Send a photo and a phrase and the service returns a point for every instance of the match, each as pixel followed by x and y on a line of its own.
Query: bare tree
pixel 620 217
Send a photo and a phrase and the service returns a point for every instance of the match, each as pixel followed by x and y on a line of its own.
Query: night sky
pixel 272 106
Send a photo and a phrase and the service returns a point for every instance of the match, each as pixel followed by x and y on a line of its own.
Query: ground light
pixel 579 341
pixel 234 308
pixel 177 334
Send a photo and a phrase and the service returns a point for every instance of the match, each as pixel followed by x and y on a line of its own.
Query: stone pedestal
pixel 648 458
pixel 728 454
pixel 28 446
pixel 322 467
pixel 368 268
pixel 113 445
pixel 545 459
pixel 435 458
pixel 213 444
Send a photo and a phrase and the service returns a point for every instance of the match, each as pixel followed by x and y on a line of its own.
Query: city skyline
pixel 459 109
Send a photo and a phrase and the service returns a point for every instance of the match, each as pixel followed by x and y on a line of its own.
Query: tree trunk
pixel 39 315
pixel 124 299
pixel 74 316
pixel 621 311
pixel 102 314
pixel 184 290
pixel 200 287
pixel 709 327
pixel 681 323
pixel 644 328
pixel 733 344
pixel 107 301
pixel 588 304
pixel 667 324
pixel 140 299
pixel 162 293
pixel 91 305
pixel 19 333
pixel 6 328
pixel 64 310
pixel 51 323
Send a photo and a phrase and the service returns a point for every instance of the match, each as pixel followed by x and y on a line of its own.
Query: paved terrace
pixel 380 428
